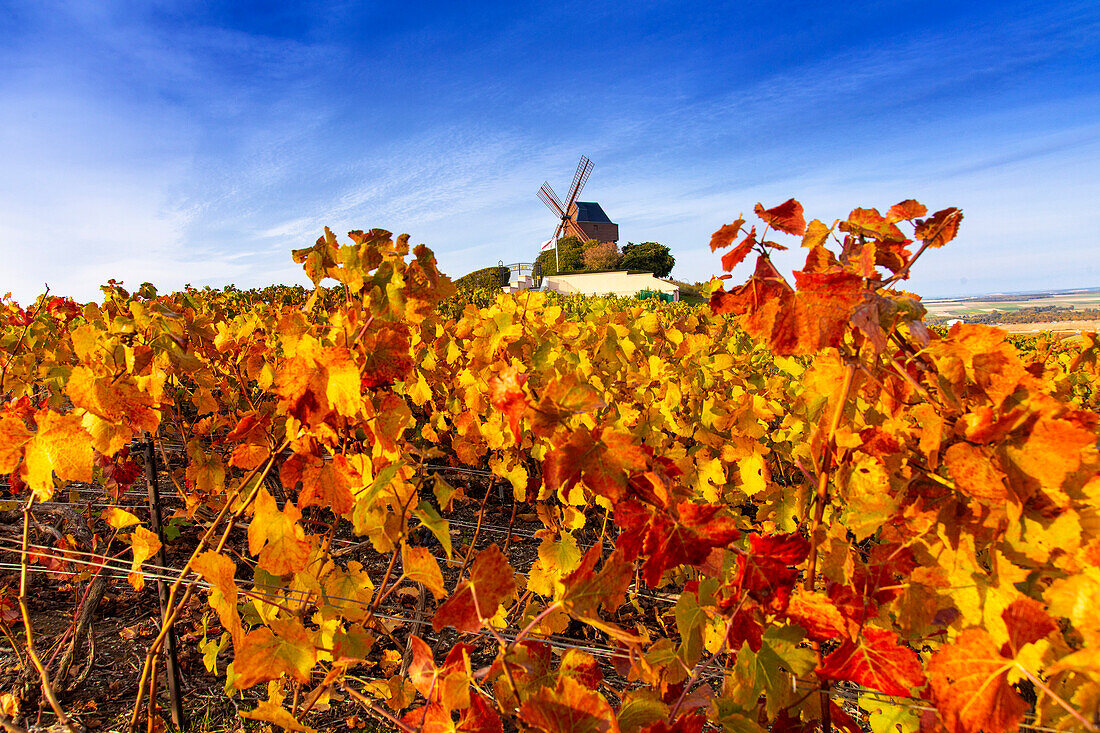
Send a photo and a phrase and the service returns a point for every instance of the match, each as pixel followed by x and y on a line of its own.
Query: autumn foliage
pixel 825 491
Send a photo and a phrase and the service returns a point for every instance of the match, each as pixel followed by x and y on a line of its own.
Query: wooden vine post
pixel 162 590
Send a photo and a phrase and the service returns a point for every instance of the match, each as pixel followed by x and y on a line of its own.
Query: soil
pixel 127 620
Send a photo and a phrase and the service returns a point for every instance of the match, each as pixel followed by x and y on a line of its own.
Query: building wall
pixel 602 231
pixel 614 283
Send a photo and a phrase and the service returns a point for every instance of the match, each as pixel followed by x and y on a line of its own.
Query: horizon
pixel 175 143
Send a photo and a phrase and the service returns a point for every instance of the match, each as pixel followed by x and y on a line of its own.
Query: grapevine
pixel 797 506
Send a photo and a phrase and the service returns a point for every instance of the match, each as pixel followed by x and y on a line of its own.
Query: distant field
pixel 1019 307
pixel 956 308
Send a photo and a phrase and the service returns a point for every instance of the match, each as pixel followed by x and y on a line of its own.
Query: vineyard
pixel 391 504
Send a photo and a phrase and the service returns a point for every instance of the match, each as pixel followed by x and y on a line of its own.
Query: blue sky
pixel 199 142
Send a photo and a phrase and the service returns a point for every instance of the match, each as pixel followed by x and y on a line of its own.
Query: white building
pixel 618 282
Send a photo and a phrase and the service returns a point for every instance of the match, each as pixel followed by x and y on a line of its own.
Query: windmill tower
pixel 583 219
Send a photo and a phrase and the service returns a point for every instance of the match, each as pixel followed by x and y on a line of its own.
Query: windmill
pixel 584 220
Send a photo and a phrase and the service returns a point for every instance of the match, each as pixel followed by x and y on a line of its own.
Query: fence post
pixel 162 589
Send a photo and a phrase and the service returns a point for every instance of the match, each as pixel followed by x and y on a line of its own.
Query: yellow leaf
pixel 119 518
pixel 61 446
pixel 276 714
pixel 751 470
pixel 218 570
pixel 144 545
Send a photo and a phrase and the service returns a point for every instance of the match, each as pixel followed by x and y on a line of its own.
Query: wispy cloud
pixel 168 143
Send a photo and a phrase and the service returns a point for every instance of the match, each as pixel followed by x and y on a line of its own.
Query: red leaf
pixel 671 537
pixel 479 717
pixel 791 548
pixel 691 723
pixel 492 580
pixel 787 217
pixel 734 257
pixel 602 458
pixel 877 661
pixel 764 571
pixel 586 590
pixel 1027 622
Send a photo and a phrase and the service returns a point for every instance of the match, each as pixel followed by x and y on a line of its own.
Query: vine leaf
pixel 941 228
pixel 267 653
pixel 787 217
pixel 970 685
pixel 506 394
pixel 13 436
pixel 448 684
pixel 144 545
pixel 602 458
pixel 492 580
pixel 569 707
pixel 218 570
pixel 272 711
pixel 683 535
pixel 61 446
pixel 725 235
pixel 419 566
pixel 875 660
pixel 276 537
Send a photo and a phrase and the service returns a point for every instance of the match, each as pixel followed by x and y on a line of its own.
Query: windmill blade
pixel 584 169
pixel 548 197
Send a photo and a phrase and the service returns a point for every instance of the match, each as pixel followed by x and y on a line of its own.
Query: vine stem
pixel 820 499
pixel 822 494
pixel 174 607
pixel 43 675
pixel 1065 706
pixel 365 702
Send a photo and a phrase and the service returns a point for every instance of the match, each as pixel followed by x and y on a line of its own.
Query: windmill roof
pixel 592 212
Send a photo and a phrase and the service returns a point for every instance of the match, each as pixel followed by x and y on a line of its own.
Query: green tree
pixel 648 257
pixel 570 257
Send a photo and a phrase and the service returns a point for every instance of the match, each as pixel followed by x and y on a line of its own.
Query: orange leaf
pixel 567 708
pixel 13 436
pixel 970 686
pixel 268 653
pixel 144 545
pixel 418 565
pixel 1027 622
pixel 276 536
pixel 941 228
pixel 975 472
pixel 328 484
pixel 724 236
pixel 907 209
pixel 506 394
pixel 817 613
pixel 877 661
pixel 218 570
